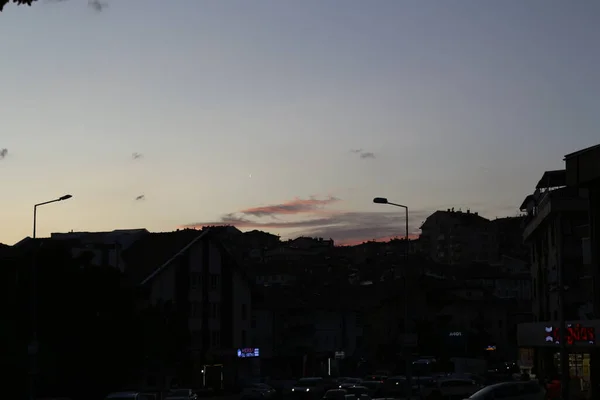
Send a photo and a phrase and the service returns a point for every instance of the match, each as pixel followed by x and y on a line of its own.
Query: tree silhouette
pixel 86 325
pixel 18 2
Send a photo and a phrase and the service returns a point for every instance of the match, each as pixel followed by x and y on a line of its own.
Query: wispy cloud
pixel 344 227
pixel 363 154
pixel 3 153
pixel 295 206
pixel 97 5
pixel 137 156
pixel 140 197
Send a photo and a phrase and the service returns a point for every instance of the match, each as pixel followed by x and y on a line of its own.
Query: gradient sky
pixel 241 105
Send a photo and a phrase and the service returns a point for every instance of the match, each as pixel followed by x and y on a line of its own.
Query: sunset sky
pixel 287 116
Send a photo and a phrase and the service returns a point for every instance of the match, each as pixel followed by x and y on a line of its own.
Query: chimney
pixel 476 213
pixel 468 211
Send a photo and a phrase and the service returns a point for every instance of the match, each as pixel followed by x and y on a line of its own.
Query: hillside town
pixel 212 307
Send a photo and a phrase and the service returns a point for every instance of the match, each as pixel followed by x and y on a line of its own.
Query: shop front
pixel 539 344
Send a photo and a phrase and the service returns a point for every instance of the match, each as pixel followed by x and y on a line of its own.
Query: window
pixel 214 310
pixel 194 280
pixel 196 309
pixel 214 281
pixel 215 338
pixel 243 338
pixel 244 311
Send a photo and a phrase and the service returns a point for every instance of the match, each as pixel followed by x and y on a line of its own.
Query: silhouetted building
pixel 103 248
pixel 561 228
pixel 551 229
pixel 583 171
pixel 457 237
pixel 508 234
pixel 193 279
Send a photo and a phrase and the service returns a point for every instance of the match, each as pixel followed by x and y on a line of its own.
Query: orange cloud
pixel 354 242
pixel 296 206
pixel 343 226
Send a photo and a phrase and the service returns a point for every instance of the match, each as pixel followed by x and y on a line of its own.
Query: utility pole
pixel 405 345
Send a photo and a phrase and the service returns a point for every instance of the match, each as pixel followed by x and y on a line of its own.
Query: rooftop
pixel 582 151
pixel 552 179
pixel 153 250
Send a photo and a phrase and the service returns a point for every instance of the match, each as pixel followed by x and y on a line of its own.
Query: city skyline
pixel 287 117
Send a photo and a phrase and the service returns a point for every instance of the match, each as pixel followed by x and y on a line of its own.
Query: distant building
pixel 508 235
pixel 300 329
pixel 457 237
pixel 103 248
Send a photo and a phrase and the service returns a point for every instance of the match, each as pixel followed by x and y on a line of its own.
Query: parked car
pixel 131 395
pixel 309 388
pixel 510 391
pixel 258 391
pixel 181 394
pixel 451 388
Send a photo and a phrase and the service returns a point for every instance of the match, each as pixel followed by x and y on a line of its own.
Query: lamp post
pixel 33 346
pixel 65 197
pixel 383 200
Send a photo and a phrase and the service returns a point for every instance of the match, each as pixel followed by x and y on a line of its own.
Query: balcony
pixel 583 168
pixel 552 201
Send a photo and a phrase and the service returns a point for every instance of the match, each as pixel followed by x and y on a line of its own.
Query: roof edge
pixel 582 151
pixel 157 271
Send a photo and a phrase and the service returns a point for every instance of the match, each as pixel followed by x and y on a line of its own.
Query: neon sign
pixel 575 333
pixel 248 352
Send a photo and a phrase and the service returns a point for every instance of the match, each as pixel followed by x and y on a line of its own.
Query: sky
pixel 287 116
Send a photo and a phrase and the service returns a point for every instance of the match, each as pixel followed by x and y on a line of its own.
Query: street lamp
pixel 383 200
pixel 33 346
pixel 65 197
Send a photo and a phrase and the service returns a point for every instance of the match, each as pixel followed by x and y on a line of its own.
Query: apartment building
pixel 192 278
pixel 457 237
pixel 555 214
pixel 583 171
pixel 561 229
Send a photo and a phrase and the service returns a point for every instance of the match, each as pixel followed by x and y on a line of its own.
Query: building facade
pixel 457 237
pixel 561 229
pixel 189 277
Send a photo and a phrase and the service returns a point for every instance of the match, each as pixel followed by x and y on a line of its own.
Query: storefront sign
pixel 248 352
pixel 526 358
pixel 575 333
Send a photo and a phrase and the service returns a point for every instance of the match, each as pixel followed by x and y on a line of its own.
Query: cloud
pixel 363 154
pixel 136 156
pixel 97 5
pixel 296 206
pixel 140 197
pixel 343 227
pixel 3 153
